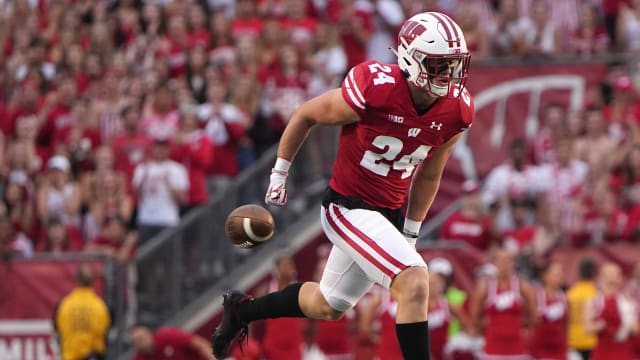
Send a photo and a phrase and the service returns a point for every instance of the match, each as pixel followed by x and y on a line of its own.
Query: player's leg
pixel 385 256
pixel 342 284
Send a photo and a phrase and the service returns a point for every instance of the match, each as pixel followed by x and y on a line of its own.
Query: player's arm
pixel 463 318
pixel 329 109
pixel 424 186
pixel 477 300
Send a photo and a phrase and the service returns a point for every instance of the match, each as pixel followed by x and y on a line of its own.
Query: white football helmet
pixel 432 53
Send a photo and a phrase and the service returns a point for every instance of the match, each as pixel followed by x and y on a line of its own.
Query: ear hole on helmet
pixel 407 61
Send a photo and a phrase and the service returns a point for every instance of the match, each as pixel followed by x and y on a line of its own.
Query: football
pixel 249 225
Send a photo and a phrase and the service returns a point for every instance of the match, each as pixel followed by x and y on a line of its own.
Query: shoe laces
pixel 243 336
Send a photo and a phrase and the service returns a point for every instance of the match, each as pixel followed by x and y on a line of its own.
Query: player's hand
pixel 276 193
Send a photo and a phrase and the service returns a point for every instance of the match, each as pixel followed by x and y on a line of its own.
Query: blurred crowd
pixel 574 183
pixel 118 115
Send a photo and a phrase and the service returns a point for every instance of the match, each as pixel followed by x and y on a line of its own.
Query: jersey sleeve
pixel 355 87
pixel 467 109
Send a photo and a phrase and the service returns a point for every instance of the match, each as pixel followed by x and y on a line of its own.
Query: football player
pixel 398 127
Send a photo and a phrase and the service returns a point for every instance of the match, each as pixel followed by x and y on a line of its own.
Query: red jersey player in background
pixel 612 316
pixel 399 124
pixel 382 309
pixel 500 305
pixel 549 338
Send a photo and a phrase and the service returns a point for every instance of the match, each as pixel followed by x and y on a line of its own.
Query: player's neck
pixel 421 100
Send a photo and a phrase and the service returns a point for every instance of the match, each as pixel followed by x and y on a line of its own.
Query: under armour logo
pixel 413 132
pixel 436 126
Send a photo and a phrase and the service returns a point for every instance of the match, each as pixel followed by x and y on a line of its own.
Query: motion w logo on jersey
pixel 413 132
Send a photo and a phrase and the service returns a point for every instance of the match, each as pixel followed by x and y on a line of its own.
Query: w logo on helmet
pixel 410 30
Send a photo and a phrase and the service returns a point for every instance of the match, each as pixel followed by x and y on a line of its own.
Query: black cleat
pixel 231 327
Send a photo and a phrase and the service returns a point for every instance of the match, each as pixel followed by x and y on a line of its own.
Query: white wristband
pixel 282 165
pixel 412 227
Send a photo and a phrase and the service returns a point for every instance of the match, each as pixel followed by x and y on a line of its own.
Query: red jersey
pixel 57 125
pixel 608 347
pixel 170 344
pixel 332 337
pixel 475 232
pixel 196 155
pixel 388 346
pixel 503 311
pixel 283 339
pixel 549 338
pixel 129 152
pixel 439 317
pixel 246 27
pixel 377 155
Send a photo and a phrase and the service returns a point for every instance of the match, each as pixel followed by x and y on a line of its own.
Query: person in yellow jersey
pixel 82 320
pixel 579 294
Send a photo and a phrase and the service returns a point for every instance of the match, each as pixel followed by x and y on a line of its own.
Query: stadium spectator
pixel 554 127
pixel 246 21
pixel 160 118
pixel 297 24
pixel 25 157
pixel 469 224
pixel 82 320
pixel 559 181
pixel 541 37
pixel 130 145
pixel 327 62
pixel 456 297
pixel 441 312
pixel 627 33
pixel 578 295
pixel 507 34
pixel 168 343
pixel 192 148
pixel 612 316
pixel 623 112
pixel 224 124
pixel 59 238
pixel 114 241
pixel 354 21
pixel 549 336
pixel 55 114
pixel 388 17
pixel 12 243
pixel 18 200
pixel 161 185
pixel 58 194
pixel 632 290
pixel 105 196
pixel 516 178
pixel 474 34
pixel 499 307
pixel 595 147
pixel 80 141
pixel 590 38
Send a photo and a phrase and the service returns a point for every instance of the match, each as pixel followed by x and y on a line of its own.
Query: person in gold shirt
pixel 82 320
pixel 579 294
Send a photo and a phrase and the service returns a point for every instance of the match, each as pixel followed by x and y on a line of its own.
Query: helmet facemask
pixel 438 72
